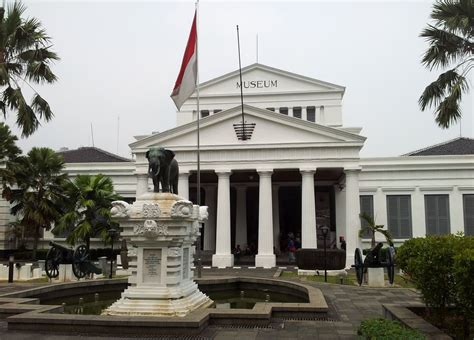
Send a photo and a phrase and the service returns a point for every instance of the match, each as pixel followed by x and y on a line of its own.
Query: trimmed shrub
pixel 387 330
pixel 442 268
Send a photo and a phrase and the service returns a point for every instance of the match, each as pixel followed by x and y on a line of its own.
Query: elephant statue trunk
pixel 163 169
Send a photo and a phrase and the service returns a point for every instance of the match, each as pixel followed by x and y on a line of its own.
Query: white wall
pixel 418 176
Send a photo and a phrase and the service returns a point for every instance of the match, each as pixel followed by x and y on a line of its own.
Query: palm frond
pixel 42 107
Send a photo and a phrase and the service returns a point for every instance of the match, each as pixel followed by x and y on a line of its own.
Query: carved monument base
pixel 162 228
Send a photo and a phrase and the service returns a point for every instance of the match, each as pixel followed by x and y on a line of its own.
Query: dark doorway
pixel 193 198
pixel 290 214
pixel 252 218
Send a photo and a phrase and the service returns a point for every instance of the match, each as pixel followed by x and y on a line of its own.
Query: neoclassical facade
pixel 299 170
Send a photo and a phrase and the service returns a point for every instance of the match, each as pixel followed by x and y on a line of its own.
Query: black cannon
pixel 79 258
pixel 373 259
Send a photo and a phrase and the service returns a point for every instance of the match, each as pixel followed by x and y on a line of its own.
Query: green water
pixel 93 304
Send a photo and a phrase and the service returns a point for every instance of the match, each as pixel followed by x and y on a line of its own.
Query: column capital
pixel 223 172
pixel 264 172
pixel 307 170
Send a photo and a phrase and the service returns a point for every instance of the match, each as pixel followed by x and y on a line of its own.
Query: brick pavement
pixel 348 305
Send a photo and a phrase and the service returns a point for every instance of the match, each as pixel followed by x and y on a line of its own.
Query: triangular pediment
pixel 260 79
pixel 217 131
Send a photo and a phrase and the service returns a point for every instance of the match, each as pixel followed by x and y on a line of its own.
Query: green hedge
pixel 442 268
pixel 382 329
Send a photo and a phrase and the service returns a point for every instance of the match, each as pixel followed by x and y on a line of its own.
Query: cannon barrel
pixel 57 245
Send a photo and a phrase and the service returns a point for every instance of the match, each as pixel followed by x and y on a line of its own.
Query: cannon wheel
pixel 80 257
pixel 51 264
pixel 391 265
pixel 359 266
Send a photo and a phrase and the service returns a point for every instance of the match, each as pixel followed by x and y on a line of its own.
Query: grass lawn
pixel 350 279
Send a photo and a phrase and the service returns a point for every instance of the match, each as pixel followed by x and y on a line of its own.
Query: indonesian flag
pixel 186 82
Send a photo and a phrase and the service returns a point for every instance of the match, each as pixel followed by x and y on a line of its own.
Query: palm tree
pixel 372 228
pixel 88 215
pixel 35 190
pixel 8 148
pixel 25 58
pixel 451 40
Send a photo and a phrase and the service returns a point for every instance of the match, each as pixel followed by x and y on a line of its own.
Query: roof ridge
pixel 438 145
pixel 431 146
pixel 118 157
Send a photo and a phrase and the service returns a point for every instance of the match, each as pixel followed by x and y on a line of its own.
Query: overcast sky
pixel 121 59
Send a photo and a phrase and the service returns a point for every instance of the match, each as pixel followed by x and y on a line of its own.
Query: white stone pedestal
pixel 160 229
pixel 375 277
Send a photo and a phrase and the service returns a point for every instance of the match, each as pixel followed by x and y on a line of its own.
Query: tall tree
pixel 451 45
pixel 35 188
pixel 25 58
pixel 88 215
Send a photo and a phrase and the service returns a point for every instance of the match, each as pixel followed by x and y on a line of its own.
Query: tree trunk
pixel 35 241
pixel 88 242
pixel 373 238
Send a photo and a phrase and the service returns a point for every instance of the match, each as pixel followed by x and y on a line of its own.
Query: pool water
pixel 94 304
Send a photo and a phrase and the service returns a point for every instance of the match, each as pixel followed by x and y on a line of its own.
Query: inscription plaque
pixel 151 265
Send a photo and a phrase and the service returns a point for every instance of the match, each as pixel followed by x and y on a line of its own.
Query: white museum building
pixel 299 170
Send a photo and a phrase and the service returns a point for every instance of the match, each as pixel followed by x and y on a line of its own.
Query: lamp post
pixel 325 231
pixel 112 233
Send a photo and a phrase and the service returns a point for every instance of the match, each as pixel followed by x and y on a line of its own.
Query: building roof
pixel 90 154
pixel 457 146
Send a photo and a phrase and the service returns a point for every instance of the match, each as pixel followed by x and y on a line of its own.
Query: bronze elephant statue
pixel 163 169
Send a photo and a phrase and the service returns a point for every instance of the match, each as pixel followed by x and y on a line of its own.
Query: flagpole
pixel 198 175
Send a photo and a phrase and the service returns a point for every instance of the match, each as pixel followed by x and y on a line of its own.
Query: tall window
pixel 217 110
pixel 271 109
pixel 468 203
pixel 399 215
pixel 311 113
pixel 204 113
pixel 284 110
pixel 437 214
pixel 366 206
pixel 297 112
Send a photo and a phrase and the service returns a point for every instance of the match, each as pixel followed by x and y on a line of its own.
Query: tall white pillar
pixel 241 216
pixel 183 185
pixel 308 210
pixel 352 214
pixel 142 184
pixel 210 224
pixel 265 257
pixel 340 198
pixel 276 217
pixel 223 256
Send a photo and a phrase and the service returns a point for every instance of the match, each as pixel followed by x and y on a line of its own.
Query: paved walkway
pixel 349 305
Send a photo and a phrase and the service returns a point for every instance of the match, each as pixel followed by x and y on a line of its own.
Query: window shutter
pixel 437 214
pixel 468 215
pixel 392 216
pixel 366 206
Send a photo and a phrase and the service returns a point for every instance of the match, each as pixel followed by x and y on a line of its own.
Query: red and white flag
pixel 186 81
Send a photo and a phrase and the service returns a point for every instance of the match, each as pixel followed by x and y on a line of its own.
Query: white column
pixel 276 217
pixel 183 185
pixel 241 216
pixel 142 184
pixel 210 224
pixel 308 210
pixel 352 214
pixel 265 257
pixel 340 200
pixel 223 256
pixel 290 112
